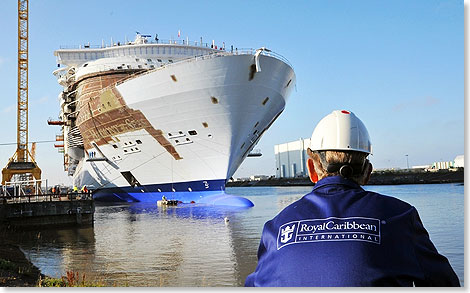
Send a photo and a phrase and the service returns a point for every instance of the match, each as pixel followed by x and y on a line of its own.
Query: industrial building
pixel 291 158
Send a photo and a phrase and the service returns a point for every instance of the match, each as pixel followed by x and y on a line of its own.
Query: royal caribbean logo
pixel 329 229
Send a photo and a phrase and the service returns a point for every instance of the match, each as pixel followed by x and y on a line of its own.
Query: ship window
pixel 209 135
pixel 171 61
pixel 180 132
pixel 128 66
pixel 192 132
pixel 205 124
pixel 265 101
pixel 169 134
pixel 173 77
pixel 138 141
pixel 159 60
pixel 257 123
pixel 125 151
pixel 137 59
pixel 140 66
pixel 85 65
pixel 115 146
pixel 187 139
pixel 242 145
pixel 152 66
pixel 177 141
pixel 125 143
pixel 149 60
pixel 214 100
pixel 132 149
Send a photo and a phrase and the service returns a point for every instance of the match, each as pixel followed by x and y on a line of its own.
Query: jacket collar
pixel 336 180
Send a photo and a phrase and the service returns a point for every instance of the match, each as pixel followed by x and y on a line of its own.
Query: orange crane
pixel 22 165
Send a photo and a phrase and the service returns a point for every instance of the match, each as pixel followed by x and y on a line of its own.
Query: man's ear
pixel 369 171
pixel 311 171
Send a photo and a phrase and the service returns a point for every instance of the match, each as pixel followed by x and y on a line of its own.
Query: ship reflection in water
pixel 141 244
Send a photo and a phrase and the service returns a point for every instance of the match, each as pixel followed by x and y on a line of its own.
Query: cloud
pixel 9 109
pixel 422 102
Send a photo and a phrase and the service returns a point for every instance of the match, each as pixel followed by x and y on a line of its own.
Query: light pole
pixel 407 164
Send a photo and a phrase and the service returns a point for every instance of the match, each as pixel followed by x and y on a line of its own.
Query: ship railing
pixel 180 42
pixel 213 54
pixel 251 51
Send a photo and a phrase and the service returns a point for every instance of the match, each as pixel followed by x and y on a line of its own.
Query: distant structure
pixel 458 162
pixel 291 158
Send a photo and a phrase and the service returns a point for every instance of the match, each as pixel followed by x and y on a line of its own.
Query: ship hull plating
pixel 180 131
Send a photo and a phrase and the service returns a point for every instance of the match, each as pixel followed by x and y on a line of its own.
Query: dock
pixel 26 205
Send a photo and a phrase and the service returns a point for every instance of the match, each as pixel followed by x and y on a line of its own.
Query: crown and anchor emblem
pixel 286 233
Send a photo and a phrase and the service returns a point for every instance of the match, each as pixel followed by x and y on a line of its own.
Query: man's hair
pixel 339 157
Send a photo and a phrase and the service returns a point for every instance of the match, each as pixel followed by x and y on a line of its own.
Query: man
pixel 341 235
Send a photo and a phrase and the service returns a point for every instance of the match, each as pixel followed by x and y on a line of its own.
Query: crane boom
pixel 22 164
pixel 22 115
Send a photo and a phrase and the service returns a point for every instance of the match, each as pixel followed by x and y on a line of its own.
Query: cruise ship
pixel 149 118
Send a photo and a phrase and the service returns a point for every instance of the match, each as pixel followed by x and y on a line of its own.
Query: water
pixel 191 245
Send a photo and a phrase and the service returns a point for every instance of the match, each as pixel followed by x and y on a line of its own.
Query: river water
pixel 192 245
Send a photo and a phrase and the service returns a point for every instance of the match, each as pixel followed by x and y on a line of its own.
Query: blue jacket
pixel 341 235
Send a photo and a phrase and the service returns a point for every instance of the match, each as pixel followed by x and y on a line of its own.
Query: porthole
pixel 138 141
pixel 214 100
pixel 192 132
pixel 115 146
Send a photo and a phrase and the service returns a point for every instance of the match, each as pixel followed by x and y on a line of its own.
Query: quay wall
pixel 377 178
pixel 47 213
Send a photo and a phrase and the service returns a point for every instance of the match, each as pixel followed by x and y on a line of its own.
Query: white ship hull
pixel 211 109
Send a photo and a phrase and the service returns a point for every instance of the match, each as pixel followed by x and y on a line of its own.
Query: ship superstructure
pixel 150 118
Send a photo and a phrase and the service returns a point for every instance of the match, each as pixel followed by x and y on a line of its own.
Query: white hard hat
pixel 341 130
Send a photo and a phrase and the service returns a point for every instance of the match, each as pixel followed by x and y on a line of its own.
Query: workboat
pixel 149 118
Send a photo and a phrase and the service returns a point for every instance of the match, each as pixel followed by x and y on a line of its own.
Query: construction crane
pixel 22 165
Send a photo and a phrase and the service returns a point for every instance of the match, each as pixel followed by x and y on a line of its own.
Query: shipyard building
pixel 290 158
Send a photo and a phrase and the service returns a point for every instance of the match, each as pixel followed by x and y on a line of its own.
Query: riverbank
pixel 15 269
pixel 388 177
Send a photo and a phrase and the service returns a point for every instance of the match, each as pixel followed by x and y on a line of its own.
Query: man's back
pixel 342 235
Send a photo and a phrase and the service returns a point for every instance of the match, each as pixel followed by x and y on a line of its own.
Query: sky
pixel 398 65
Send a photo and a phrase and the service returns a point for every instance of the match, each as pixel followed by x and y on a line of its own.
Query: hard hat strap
pixel 345 169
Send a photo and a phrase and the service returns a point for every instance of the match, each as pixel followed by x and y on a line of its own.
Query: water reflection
pixel 141 244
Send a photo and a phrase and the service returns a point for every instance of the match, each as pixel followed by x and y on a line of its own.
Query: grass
pixel 72 279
